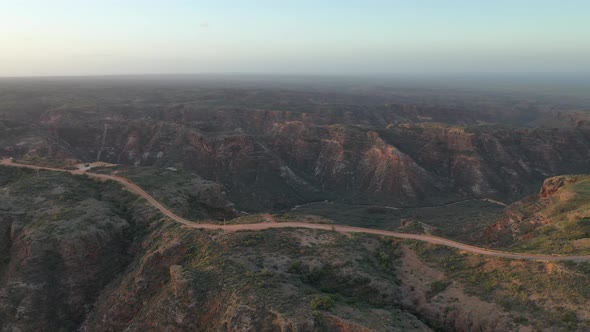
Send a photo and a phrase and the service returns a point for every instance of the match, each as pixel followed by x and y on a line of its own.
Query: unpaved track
pixel 328 227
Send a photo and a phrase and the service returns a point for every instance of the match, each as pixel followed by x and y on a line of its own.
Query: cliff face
pixel 265 164
pixel 275 159
pixel 272 149
pixel 493 161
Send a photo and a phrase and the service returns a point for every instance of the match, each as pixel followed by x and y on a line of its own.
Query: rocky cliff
pixel 276 159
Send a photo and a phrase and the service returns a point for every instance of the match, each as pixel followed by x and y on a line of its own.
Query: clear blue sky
pixel 77 37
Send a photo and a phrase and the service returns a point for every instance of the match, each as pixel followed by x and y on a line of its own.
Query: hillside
pixel 557 220
pixel 103 260
pixel 90 250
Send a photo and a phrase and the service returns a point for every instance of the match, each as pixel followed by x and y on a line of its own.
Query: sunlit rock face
pixel 395 154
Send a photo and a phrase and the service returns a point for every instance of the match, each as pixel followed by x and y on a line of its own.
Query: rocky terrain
pixel 92 257
pixel 556 220
pixel 309 146
pixel 76 254
pixel 63 240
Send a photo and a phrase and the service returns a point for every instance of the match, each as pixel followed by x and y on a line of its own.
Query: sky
pixel 110 37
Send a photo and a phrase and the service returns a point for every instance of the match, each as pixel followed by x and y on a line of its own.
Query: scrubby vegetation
pixel 63 238
pixel 544 294
pixel 76 254
pixel 558 223
pixel 185 193
pixel 322 302
pixel 308 278
pixel 438 286
pixel 461 221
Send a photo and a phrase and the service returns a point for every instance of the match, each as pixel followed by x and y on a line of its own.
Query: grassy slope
pixel 559 223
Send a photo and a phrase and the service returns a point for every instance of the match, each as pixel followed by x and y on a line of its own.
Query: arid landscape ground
pixel 206 204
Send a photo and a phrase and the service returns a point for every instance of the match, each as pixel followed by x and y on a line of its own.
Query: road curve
pixel 328 227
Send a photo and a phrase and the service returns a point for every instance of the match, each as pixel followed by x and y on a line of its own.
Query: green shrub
pixel 318 318
pixel 437 287
pixel 295 267
pixel 322 302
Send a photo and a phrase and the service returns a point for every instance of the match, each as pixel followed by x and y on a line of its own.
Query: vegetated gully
pixel 270 223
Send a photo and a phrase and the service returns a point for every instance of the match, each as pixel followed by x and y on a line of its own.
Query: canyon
pixel 296 209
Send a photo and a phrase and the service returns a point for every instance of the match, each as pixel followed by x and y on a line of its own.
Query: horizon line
pixel 311 74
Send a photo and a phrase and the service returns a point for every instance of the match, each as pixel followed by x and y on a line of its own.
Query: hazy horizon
pixel 71 38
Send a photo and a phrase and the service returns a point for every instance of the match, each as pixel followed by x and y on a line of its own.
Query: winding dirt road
pixel 328 227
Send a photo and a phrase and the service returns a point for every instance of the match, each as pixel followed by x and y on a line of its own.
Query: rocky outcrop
pixel 552 185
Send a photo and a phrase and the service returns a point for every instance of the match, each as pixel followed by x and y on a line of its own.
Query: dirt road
pixel 269 223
